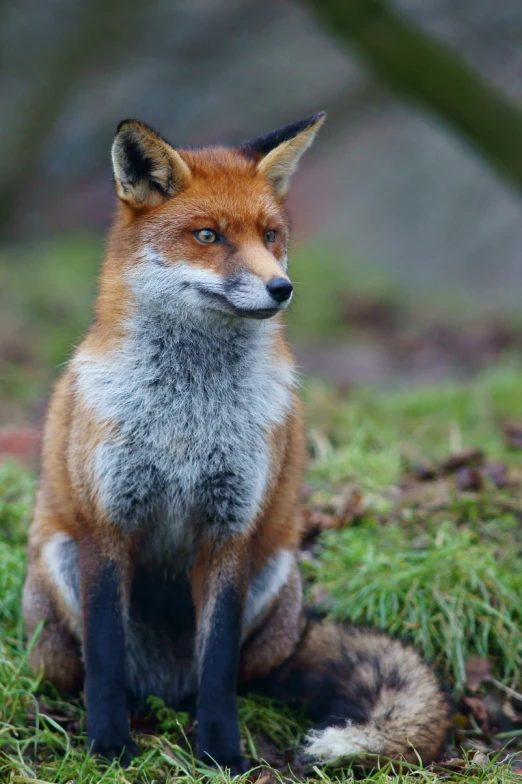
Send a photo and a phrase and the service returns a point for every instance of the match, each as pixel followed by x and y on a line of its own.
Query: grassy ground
pixel 45 303
pixel 419 545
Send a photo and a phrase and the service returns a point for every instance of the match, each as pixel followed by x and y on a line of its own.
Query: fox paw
pixel 236 763
pixel 124 752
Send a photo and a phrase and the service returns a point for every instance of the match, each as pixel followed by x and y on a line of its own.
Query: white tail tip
pixel 334 743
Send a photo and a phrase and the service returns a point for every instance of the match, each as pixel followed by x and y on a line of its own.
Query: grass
pixel 374 437
pixel 45 304
pixel 426 560
pixel 449 592
pixel 440 566
pixel 437 565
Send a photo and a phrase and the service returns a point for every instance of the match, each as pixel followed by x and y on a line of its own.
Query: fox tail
pixel 367 694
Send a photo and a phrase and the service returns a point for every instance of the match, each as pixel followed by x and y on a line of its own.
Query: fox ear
pixel 279 152
pixel 147 170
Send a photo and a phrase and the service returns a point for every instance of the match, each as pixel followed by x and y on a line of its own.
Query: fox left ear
pixel 280 151
pixel 147 169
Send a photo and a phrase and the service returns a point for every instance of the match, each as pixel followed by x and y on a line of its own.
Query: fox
pixel 163 551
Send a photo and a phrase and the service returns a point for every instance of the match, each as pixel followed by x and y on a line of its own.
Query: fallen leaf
pixel 480 759
pixel 478 670
pixel 423 472
pixel 454 764
pixel 478 709
pixel 277 758
pixel 349 508
pixel 513 434
pixel 316 521
pixel 509 711
pixel 470 479
pixel 352 509
pixel 68 720
pixel 497 472
pixel 264 777
pixel 466 458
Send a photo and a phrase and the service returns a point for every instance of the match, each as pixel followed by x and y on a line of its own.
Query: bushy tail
pixel 367 694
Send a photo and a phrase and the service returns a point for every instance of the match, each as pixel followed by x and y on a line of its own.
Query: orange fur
pixel 225 192
pixel 164 200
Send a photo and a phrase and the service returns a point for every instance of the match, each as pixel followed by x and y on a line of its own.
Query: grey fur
pixel 193 400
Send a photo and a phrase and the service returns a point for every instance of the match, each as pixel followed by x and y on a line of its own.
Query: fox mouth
pixel 258 313
pixel 253 313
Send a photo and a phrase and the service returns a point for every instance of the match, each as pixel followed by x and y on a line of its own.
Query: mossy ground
pixel 423 559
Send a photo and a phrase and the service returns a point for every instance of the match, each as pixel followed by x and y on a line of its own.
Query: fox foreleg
pixel 104 579
pixel 219 588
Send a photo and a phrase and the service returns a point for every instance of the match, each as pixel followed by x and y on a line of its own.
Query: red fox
pixel 162 556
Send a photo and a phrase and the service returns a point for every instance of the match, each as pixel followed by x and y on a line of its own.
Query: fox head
pixel 207 229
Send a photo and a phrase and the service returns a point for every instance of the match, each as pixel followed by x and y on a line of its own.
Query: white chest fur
pixel 193 402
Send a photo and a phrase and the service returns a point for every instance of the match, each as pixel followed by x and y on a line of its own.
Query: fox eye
pixel 207 236
pixel 270 236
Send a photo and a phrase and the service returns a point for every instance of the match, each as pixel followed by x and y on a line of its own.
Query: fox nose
pixel 279 288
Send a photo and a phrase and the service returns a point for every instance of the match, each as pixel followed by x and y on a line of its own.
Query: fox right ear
pixel 147 170
pixel 278 153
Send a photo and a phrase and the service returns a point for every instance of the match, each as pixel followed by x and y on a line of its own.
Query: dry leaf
pixel 480 759
pixel 470 479
pixel 478 670
pixel 315 521
pixel 264 777
pixel 478 709
pixel 423 472
pixel 466 458
pixel 349 509
pixel 453 764
pixel 513 434
pixel 352 509
pixel 497 472
pixel 509 711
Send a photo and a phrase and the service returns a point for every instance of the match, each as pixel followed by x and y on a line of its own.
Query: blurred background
pixel 407 213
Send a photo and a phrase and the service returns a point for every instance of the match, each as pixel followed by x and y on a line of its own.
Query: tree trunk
pixel 102 22
pixel 413 63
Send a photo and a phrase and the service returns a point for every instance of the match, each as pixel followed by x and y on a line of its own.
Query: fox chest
pixel 185 462
pixel 191 446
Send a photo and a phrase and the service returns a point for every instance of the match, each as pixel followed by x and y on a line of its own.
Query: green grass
pixel 437 565
pixel 320 275
pixel 46 290
pixel 449 593
pixel 440 566
pixel 373 437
